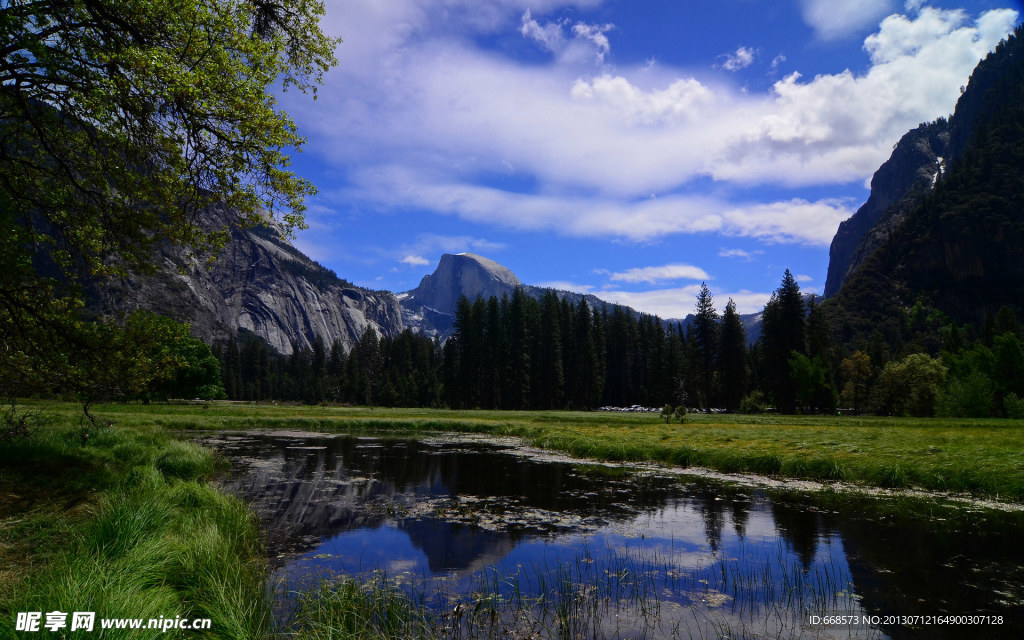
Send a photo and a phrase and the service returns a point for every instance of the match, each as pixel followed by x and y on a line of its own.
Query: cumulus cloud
pixel 615 94
pixel 664 273
pixel 415 116
pixel 679 302
pixel 415 261
pixel 800 277
pixel 835 19
pixel 742 58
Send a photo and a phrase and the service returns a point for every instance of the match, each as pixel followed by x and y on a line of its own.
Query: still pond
pixel 551 545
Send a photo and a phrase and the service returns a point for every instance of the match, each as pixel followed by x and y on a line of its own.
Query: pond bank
pixel 94 511
pixel 487 539
pixel 980 458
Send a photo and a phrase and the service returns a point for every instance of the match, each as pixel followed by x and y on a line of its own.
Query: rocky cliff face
pixel 430 307
pixel 258 282
pixel 917 162
pixel 464 273
pixel 957 248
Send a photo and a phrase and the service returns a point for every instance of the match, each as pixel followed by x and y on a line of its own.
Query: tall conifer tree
pixel 782 333
pixel 733 358
pixel 705 332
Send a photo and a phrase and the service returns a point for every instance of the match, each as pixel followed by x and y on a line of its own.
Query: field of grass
pixel 981 457
pixel 125 525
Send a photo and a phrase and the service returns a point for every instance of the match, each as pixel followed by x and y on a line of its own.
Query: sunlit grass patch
pixel 127 527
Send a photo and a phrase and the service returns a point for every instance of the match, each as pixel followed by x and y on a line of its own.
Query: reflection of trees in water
pixel 308 488
pixel 899 564
pixel 955 562
pixel 800 527
pixel 740 516
pixel 712 510
pixel 715 502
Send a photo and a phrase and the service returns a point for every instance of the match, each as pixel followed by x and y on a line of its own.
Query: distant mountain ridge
pixel 261 284
pixel 430 307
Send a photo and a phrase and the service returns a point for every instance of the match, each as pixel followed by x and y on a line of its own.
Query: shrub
pixel 754 402
pixel 1014 406
pixel 667 412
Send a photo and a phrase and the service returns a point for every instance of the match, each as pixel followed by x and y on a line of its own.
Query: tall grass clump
pixel 147 537
pixel 347 609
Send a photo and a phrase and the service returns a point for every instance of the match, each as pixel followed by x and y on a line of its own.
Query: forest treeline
pixel 521 352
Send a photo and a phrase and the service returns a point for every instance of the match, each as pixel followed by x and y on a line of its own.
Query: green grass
pixel 981 457
pixel 348 609
pixel 126 525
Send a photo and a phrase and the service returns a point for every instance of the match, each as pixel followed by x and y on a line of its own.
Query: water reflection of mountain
pixel 310 487
pixel 467 505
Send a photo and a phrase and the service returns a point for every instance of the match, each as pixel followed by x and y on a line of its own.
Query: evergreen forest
pixel 520 352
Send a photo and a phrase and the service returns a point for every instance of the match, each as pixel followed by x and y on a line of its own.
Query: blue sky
pixel 626 148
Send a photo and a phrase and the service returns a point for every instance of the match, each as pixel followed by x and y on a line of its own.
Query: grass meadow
pixel 126 522
pixel 982 457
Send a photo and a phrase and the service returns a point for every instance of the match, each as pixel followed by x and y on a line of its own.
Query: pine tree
pixel 494 354
pixel 732 358
pixel 336 371
pixel 782 333
pixel 549 375
pixel 705 333
pixel 585 360
pixel 519 339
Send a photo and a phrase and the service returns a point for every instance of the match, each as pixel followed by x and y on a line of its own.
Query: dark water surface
pixel 639 554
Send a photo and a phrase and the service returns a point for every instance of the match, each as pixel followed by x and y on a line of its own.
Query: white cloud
pixel 742 58
pixel 790 221
pixel 595 34
pixel 677 303
pixel 416 112
pixel 618 97
pixel 795 220
pixel 433 245
pixel 415 261
pixel 739 253
pixel 552 36
pixel 777 60
pixel 800 277
pixel 835 19
pixel 663 273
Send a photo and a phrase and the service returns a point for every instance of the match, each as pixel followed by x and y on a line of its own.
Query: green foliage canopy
pixel 121 121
